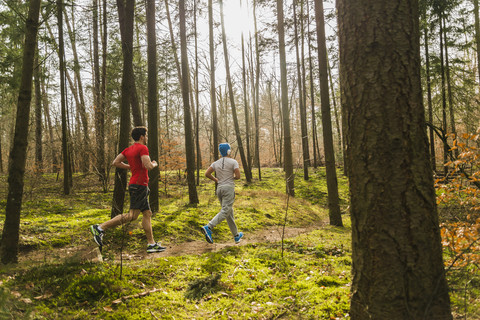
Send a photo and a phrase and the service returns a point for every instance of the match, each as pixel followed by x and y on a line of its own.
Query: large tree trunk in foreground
pixel 16 170
pixel 398 271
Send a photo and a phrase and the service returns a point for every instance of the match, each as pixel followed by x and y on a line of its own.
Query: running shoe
pixel 208 233
pixel 157 247
pixel 238 237
pixel 97 234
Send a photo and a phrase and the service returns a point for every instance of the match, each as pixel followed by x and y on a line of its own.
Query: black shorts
pixel 139 197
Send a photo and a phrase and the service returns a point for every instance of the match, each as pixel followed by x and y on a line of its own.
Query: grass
pixel 251 281
pixel 254 281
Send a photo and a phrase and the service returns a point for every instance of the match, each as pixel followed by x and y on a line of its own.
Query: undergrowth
pixel 253 281
pixel 249 281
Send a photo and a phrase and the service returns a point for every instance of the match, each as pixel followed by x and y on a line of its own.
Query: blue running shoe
pixel 208 234
pixel 238 237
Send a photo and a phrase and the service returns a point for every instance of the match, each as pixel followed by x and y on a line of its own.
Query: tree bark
pixel 477 35
pixel 287 138
pixel 197 102
pixel 213 97
pixel 18 154
pixel 38 117
pixel 246 106
pixel 126 17
pixel 100 107
pixel 126 13
pixel 312 94
pixel 301 100
pixel 152 103
pixel 332 185
pixel 67 169
pixel 398 271
pixel 173 41
pixel 256 100
pixel 81 104
pixel 246 168
pixel 97 104
pixel 449 87
pixel 189 144
pixel 49 126
pixel 429 93
pixel 444 97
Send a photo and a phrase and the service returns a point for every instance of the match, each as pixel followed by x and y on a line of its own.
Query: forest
pixel 356 126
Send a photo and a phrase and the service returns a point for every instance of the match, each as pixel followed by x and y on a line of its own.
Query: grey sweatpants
pixel 226 196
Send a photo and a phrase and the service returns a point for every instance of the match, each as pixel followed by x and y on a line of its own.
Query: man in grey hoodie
pixel 227 171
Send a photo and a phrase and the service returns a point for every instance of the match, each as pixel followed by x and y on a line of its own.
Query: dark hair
pixel 137 132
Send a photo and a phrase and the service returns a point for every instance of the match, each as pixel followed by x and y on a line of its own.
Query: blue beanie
pixel 224 148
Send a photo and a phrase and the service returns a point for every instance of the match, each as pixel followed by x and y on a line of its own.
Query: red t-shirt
pixel 134 155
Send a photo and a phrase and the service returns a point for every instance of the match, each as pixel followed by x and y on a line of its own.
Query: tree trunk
pixel 341 144
pixel 444 99
pixel 246 106
pixel 449 87
pixel 65 145
pixel 287 138
pixel 173 41
pixel 126 17
pixel 477 34
pixel 100 107
pixel 18 154
pixel 213 97
pixel 48 123
pixel 246 168
pixel 303 113
pixel 189 145
pixel 38 118
pixel 332 185
pixel 81 105
pixel 256 100
pixel 312 94
pixel 398 271
pixel 97 104
pixel 197 102
pixel 152 103
pixel 429 94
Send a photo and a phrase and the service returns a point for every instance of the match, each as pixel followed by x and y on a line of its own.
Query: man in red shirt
pixel 139 163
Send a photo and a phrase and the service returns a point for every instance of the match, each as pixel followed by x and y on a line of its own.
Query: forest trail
pixel 88 251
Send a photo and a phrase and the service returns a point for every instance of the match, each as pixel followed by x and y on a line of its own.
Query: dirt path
pixel 89 252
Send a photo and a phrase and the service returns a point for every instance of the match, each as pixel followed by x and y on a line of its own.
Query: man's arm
pixel 209 175
pixel 148 163
pixel 236 174
pixel 118 162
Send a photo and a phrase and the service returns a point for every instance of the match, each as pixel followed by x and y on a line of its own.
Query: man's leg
pixel 226 196
pixel 147 225
pixel 120 219
pixel 98 230
pixel 231 222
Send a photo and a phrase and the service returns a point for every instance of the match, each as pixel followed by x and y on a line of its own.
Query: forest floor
pixel 291 263
pixel 90 252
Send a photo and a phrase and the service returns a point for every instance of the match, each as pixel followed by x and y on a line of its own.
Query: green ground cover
pixel 306 278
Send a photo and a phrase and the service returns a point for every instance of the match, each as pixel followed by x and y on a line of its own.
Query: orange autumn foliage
pixel 461 188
